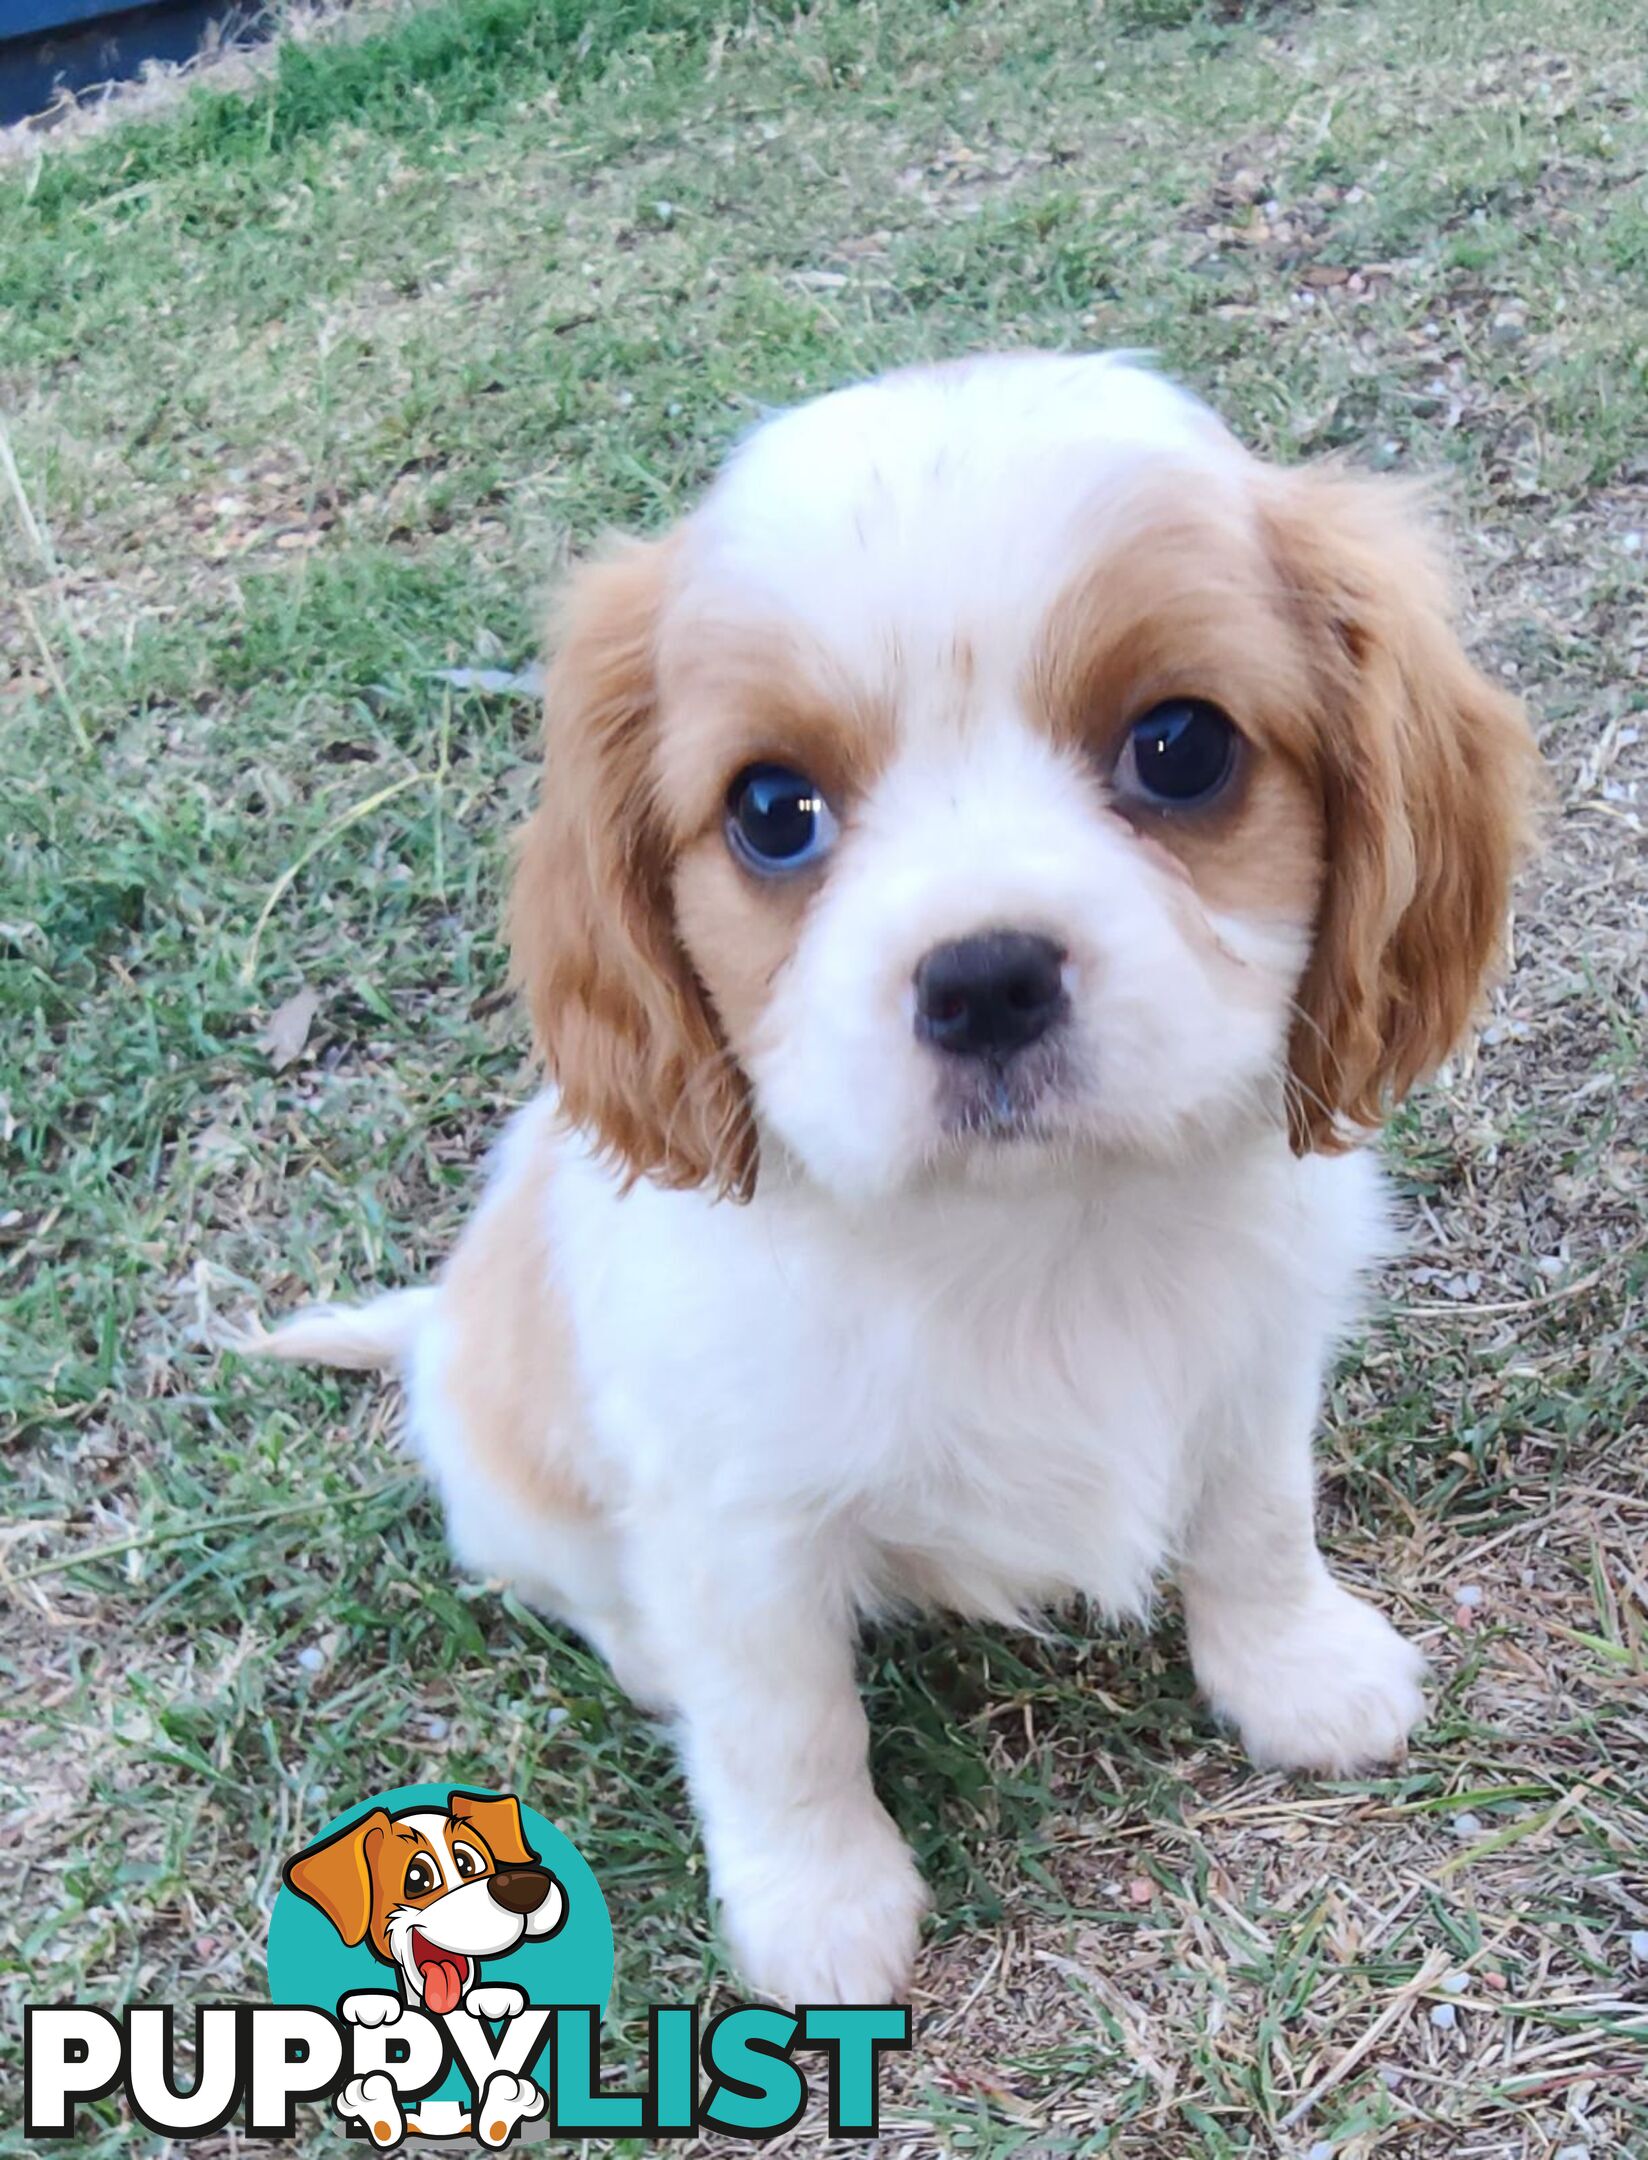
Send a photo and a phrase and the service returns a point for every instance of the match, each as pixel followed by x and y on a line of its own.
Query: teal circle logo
pixel 441 1896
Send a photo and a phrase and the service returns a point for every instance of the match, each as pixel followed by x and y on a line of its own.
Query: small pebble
pixel 1455 1983
pixel 1323 2149
pixel 1465 1825
pixel 1444 2016
pixel 1468 1593
pixel 1639 1947
pixel 1572 2152
pixel 1496 1981
pixel 1140 1890
pixel 312 1659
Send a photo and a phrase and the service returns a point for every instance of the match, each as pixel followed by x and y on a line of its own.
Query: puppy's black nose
pixel 519 1889
pixel 990 995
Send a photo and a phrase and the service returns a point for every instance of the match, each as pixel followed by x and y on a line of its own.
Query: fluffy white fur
pixel 992 1375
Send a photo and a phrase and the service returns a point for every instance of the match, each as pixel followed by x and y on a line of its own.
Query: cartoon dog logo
pixel 431 1892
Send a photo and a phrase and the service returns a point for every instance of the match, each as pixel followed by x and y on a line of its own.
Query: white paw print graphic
pixel 495 2000
pixel 371 2100
pixel 506 2102
pixel 371 2007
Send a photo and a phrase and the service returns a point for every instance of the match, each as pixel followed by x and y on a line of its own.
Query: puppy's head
pixel 1003 765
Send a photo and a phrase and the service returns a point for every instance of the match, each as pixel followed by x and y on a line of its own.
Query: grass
pixel 306 394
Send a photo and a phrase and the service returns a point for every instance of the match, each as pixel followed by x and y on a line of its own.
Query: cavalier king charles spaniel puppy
pixel 997 857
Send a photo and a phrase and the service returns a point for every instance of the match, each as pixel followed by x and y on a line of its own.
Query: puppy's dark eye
pixel 420 1876
pixel 467 1861
pixel 777 820
pixel 1179 755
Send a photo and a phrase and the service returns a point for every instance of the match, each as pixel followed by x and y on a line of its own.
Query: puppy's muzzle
pixel 519 1890
pixel 990 996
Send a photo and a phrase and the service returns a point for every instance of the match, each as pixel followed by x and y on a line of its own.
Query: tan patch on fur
pixel 1382 798
pixel 510 1374
pixel 640 944
pixel 734 699
pixel 744 929
pixel 1183 603
pixel 618 1009
pixel 735 695
pixel 1426 773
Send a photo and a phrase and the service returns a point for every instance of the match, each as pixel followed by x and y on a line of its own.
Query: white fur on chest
pixel 989 1400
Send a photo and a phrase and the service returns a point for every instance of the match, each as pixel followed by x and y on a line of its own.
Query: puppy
pixel 431 1892
pixel 996 857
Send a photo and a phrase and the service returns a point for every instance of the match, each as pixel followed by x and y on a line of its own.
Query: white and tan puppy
pixel 995 856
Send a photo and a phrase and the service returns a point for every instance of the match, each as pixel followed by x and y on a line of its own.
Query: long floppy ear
pixel 336 1875
pixel 622 1020
pixel 499 1824
pixel 1426 773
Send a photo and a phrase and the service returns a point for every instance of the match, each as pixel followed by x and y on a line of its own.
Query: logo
pixel 439 1965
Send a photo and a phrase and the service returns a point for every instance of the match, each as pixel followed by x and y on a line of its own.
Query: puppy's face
pixel 1002 765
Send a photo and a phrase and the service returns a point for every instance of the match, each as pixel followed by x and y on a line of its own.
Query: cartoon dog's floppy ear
pixel 499 1824
pixel 336 1875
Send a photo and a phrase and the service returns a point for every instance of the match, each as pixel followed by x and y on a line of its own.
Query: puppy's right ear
pixel 623 1022
pixel 336 1875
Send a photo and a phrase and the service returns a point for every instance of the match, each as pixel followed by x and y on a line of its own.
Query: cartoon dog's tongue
pixel 443 1975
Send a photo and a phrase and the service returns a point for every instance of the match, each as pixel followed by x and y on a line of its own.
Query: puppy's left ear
pixel 1426 774
pixel 498 1823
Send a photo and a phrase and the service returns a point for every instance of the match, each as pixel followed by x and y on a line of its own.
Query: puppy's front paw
pixel 833 1918
pixel 1332 1687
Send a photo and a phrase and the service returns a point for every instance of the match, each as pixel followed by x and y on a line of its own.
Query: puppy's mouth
pixel 444 1973
pixel 995 1099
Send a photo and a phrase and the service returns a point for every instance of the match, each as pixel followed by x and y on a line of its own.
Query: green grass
pixel 310 392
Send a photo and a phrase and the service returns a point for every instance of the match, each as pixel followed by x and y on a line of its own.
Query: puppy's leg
pixel 821 1901
pixel 498 1416
pixel 562 1558
pixel 1312 1677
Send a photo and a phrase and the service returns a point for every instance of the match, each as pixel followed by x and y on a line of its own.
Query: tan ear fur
pixel 1426 772
pixel 622 1020
pixel 336 1875
pixel 499 1824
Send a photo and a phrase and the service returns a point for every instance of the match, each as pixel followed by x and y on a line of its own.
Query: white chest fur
pixel 989 1399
